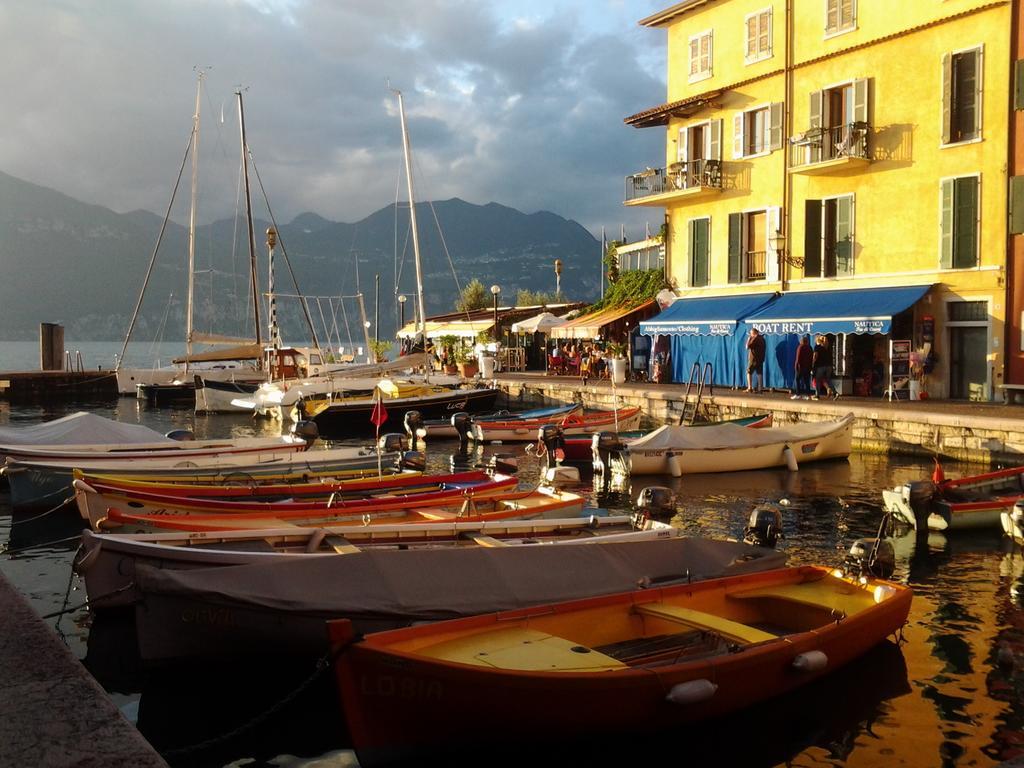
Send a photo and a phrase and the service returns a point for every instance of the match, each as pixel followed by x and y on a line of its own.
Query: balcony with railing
pixel 821 150
pixel 656 186
pixel 755 265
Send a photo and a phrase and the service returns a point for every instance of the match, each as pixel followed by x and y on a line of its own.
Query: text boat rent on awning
pixel 860 310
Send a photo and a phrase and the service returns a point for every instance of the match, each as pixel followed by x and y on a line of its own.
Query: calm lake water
pixel 939 699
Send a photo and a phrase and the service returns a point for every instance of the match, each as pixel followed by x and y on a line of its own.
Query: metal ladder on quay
pixel 700 379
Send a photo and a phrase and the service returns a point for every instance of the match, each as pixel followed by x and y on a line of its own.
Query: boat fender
pixel 790 457
pixel 85 558
pixel 692 692
pixel 810 661
pixel 675 467
pixel 81 485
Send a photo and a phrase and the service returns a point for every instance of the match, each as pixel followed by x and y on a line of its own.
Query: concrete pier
pixel 52 712
pixel 984 433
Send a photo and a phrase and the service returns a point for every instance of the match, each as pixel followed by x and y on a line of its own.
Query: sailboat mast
pixel 415 230
pixel 192 219
pixel 248 215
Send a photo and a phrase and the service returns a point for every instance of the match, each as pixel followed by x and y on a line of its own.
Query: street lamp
pixel 401 303
pixel 495 290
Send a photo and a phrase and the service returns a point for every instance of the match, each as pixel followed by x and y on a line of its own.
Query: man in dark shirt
pixel 755 361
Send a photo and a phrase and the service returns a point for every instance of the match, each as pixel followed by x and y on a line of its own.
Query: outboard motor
pixel 414 460
pixel 183 435
pixel 393 442
pixel 414 427
pixel 307 430
pixel 876 557
pixel 553 439
pixel 919 495
pixel 602 446
pixel 300 409
pixel 764 528
pixel 657 501
pixel 463 424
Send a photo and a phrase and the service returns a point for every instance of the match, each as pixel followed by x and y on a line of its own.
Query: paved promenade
pixel 987 433
pixel 52 712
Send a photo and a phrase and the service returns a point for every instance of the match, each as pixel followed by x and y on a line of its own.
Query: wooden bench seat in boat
pixel 482 539
pixel 730 630
pixel 521 648
pixel 829 594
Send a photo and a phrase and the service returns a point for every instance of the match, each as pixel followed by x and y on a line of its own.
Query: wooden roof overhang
pixel 683 108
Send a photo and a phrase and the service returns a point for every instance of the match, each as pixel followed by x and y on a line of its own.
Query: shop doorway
pixel 968 367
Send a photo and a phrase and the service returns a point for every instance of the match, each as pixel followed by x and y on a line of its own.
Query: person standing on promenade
pixel 802 368
pixel 755 361
pixel 822 364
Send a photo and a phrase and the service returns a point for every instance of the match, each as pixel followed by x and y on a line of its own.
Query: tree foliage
pixel 473 296
pixel 528 298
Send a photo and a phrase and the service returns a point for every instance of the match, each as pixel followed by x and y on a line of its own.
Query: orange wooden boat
pixel 635 661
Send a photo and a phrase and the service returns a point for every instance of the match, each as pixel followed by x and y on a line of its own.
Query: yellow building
pixel 851 145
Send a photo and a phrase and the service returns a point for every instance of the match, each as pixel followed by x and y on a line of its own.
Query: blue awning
pixel 860 310
pixel 704 316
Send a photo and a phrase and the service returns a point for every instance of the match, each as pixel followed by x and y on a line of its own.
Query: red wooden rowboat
pixel 635 661
pixel 575 423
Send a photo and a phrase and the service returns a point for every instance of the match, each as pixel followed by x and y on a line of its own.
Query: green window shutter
pixel 965 222
pixel 844 236
pixel 1017 205
pixel 812 238
pixel 947 96
pixel 735 247
pixel 775 118
pixel 1018 84
pixel 814 124
pixel 699 251
pixel 946 228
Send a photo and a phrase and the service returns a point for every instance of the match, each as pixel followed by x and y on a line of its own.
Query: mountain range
pixel 82 265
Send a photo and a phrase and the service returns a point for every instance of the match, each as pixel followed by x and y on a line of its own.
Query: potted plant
pixel 380 349
pixel 466 361
pixel 447 356
pixel 617 361
pixel 487 357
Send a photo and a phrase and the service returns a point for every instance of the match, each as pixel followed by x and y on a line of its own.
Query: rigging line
pixel 334 323
pixel 348 330
pixel 159 239
pixel 159 336
pixel 284 251
pixel 236 310
pixel 325 296
pixel 323 320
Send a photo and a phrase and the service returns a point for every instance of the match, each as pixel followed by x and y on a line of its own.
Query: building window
pixel 699 236
pixel 757 131
pixel 828 237
pixel 840 16
pixel 699 157
pixel 961 96
pixel 700 56
pixel 960 225
pixel 759 36
pixel 838 124
pixel 750 258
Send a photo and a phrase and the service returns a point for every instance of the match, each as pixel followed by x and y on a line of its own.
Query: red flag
pixel 379 415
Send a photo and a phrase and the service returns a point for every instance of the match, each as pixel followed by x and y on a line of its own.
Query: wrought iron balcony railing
pixel 820 145
pixel 754 265
pixel 692 174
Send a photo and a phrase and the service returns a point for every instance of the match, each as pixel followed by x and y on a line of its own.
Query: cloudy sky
pixel 514 101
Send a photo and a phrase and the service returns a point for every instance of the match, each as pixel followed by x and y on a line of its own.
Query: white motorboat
pixel 675 450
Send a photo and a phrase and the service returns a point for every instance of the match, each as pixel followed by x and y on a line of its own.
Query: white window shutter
pixel 737 135
pixel 772 256
pixel 681 146
pixel 714 143
pixel 861 94
pixel 775 118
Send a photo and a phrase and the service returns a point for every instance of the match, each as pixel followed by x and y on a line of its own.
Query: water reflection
pixel 952 695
